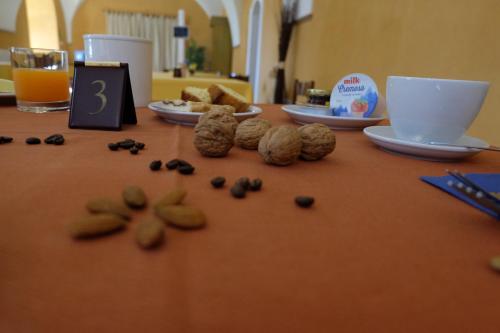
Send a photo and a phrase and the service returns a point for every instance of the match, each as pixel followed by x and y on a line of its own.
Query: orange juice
pixel 41 85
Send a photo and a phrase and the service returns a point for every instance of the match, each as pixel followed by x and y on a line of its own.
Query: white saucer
pixel 384 137
pixel 307 115
pixel 191 118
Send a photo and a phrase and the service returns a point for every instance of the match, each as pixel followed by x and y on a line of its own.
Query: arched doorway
pixel 254 42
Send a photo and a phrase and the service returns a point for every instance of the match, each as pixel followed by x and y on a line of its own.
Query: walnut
pixel 280 145
pixel 213 138
pixel 221 115
pixel 318 140
pixel 250 131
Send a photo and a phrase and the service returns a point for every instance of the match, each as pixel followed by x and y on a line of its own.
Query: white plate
pixel 384 137
pixel 191 118
pixel 307 115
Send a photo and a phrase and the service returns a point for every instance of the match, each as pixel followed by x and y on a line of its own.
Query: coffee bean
pixel 186 169
pixel 244 182
pixel 113 146
pixel 33 141
pixel 134 150
pixel 304 201
pixel 59 140
pixel 218 182
pixel 5 139
pixel 238 191
pixel 155 165
pixel 126 144
pixel 140 145
pixel 172 164
pixel 51 139
pixel 256 184
pixel 183 163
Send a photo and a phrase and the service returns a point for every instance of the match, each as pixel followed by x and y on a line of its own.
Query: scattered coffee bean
pixel 59 140
pixel 52 138
pixel 183 163
pixel 495 263
pixel 186 169
pixel 134 150
pixel 256 184
pixel 172 164
pixel 33 141
pixel 244 182
pixel 140 145
pixel 113 146
pixel 238 191
pixel 5 139
pixel 304 201
pixel 155 165
pixel 126 144
pixel 218 182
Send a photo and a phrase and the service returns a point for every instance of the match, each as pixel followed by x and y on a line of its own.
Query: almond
pixel 94 225
pixel 149 233
pixel 184 217
pixel 174 197
pixel 105 205
pixel 134 197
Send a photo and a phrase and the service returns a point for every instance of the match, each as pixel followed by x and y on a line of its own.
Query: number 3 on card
pixel 104 99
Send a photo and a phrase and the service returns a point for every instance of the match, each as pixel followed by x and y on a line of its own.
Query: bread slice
pixel 226 96
pixel 196 95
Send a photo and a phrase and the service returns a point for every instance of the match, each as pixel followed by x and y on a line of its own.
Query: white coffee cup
pixel 433 110
pixel 137 52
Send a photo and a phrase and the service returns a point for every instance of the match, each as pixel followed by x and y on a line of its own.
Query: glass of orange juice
pixel 41 79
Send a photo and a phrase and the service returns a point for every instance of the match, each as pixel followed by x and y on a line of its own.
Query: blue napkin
pixel 489 181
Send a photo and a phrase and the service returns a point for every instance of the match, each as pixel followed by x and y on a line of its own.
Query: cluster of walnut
pixel 214 133
pixel 283 145
pixel 217 131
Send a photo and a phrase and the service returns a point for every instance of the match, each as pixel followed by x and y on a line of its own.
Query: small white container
pixel 137 52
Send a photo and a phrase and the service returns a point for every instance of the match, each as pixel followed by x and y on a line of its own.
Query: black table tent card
pixel 102 96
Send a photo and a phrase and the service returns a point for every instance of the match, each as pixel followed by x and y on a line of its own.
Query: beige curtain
pixel 158 29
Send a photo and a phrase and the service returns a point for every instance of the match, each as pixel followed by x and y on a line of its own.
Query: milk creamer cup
pixel 355 95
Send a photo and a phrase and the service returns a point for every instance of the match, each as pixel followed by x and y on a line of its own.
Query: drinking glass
pixel 41 79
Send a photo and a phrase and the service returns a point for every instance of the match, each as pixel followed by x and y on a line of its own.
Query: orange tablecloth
pixel 380 251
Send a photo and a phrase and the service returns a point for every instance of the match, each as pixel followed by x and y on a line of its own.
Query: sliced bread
pixel 196 95
pixel 226 96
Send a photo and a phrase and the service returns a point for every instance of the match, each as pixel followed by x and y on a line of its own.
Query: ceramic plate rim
pixel 427 146
pixel 286 109
pixel 152 106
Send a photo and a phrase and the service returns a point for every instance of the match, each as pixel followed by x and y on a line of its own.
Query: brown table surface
pixel 379 251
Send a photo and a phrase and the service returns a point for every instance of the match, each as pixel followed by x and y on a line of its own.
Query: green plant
pixel 195 55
